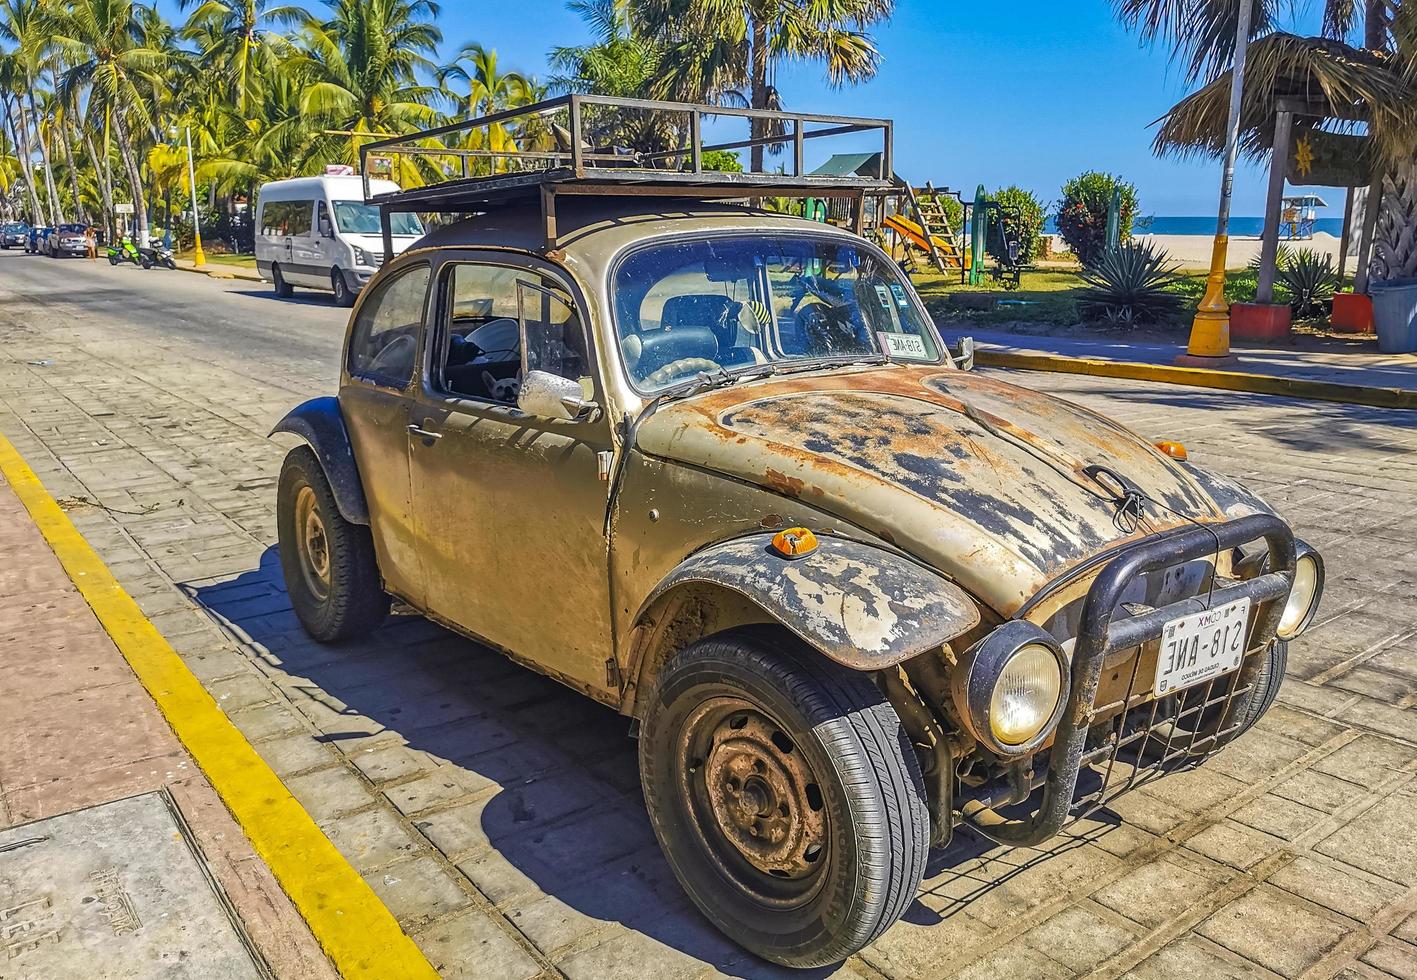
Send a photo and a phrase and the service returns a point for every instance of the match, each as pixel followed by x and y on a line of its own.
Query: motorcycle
pixel 157 253
pixel 126 250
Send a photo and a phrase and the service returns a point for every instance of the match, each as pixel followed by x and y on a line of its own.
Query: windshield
pixel 358 218
pixel 682 308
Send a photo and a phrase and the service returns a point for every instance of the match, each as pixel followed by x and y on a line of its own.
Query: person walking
pixel 91 243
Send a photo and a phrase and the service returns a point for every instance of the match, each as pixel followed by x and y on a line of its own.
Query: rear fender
pixel 858 605
pixel 321 424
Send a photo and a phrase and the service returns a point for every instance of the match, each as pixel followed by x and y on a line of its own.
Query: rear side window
pixel 384 342
pixel 281 218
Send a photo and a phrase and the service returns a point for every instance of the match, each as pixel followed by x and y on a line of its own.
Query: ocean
pixel 1239 227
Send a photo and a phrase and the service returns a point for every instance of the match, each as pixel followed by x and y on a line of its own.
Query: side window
pixel 273 218
pixel 482 355
pixel 385 337
pixel 298 222
pixel 323 227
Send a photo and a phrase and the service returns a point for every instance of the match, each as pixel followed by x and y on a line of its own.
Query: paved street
pixel 498 815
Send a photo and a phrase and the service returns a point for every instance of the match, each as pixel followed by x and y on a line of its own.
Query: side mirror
pixel 963 355
pixel 554 397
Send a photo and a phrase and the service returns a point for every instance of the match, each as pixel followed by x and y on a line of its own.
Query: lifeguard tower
pixel 1298 215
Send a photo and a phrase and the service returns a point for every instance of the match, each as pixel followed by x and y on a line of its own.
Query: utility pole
pixel 1209 344
pixel 198 257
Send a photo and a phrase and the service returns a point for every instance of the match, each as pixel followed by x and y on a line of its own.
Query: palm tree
pixel 1375 78
pixel 241 43
pixel 361 72
pixel 12 88
pixel 716 46
pixel 103 41
pixel 24 22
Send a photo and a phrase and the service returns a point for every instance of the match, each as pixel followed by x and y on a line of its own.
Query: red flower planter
pixel 1352 313
pixel 1259 321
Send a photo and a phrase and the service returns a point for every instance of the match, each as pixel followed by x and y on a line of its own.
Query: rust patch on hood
pixel 979 477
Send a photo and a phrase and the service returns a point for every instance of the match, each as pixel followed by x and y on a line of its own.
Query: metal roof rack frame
pixel 575 167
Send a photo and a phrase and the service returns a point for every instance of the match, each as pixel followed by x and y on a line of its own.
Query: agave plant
pixel 1309 278
pixel 1130 285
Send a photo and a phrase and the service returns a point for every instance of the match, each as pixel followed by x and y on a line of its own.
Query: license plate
pixel 1200 646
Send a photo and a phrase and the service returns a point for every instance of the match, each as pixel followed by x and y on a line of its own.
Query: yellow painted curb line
pixel 353 926
pixel 1264 384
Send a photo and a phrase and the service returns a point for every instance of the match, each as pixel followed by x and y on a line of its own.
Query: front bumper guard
pixel 1099 636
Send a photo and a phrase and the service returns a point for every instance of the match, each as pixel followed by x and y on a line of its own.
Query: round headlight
pixel 1025 695
pixel 1303 597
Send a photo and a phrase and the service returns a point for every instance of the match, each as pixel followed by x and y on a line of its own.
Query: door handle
pixel 422 433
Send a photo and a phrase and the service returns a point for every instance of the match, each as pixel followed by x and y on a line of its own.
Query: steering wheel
pixel 684 365
pixel 395 356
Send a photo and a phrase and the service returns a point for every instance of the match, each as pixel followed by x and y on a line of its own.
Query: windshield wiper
pixel 821 363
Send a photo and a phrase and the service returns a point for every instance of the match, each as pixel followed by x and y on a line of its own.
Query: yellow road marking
pixel 1264 384
pixel 354 927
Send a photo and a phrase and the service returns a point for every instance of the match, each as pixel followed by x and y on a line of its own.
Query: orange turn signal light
pixel 1173 449
pixel 794 542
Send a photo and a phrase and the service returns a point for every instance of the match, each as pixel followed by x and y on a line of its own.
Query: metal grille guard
pixel 1099 636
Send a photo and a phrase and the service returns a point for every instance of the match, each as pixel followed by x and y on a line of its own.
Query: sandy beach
pixel 1192 252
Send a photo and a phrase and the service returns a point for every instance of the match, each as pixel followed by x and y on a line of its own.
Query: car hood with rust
pixel 977 477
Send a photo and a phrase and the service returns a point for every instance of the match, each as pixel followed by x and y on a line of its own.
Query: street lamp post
pixel 1209 344
pixel 198 257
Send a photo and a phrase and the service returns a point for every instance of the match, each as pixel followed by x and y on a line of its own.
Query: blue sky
pixel 1055 88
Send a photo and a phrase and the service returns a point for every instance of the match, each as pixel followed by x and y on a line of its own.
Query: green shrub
pixel 1082 213
pixel 1130 285
pixel 1026 225
pixel 723 161
pixel 1309 278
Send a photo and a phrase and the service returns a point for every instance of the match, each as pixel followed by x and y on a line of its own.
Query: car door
pixel 376 400
pixel 511 507
pixel 305 268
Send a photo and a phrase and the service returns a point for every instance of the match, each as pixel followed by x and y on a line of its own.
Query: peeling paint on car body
pixel 861 606
pixel 976 477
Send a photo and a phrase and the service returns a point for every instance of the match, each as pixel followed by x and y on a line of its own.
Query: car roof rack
pixel 566 147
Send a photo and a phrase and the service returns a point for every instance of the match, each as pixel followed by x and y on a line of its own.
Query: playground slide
pixel 914 234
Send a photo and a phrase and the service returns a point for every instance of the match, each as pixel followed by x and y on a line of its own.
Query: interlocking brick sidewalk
pixel 78 730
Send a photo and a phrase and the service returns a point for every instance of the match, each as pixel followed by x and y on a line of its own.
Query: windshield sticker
pixel 906 345
pixel 898 291
pixel 884 295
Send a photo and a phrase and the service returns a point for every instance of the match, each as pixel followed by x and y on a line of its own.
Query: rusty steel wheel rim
pixel 755 803
pixel 313 544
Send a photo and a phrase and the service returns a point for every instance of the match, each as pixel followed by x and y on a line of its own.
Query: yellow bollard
pixel 1209 345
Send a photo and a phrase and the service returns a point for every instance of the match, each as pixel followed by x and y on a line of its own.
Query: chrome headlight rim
pixel 977 675
pixel 1305 554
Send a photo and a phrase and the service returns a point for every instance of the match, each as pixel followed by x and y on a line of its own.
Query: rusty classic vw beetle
pixel 715 467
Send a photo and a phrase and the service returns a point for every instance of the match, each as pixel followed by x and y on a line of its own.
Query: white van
pixel 318 232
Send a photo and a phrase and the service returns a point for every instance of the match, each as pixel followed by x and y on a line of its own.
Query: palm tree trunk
pixel 55 210
pixel 23 139
pixel 1376 22
pixel 759 82
pixel 135 180
pixel 62 118
pixel 105 181
pixel 1395 241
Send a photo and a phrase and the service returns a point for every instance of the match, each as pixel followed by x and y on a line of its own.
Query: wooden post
pixel 1278 169
pixel 1346 239
pixel 1370 230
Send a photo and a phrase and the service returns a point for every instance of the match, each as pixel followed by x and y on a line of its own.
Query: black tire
pixel 857 796
pixel 113 260
pixel 344 296
pixel 331 573
pixel 169 264
pixel 282 288
pixel 146 262
pixel 1267 684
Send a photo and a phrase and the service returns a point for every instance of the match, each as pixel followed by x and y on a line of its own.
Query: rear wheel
pixel 785 795
pixel 344 296
pixel 331 573
pixel 278 283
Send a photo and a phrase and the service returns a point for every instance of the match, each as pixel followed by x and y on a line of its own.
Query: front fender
pixel 321 424
pixel 861 606
pixel 1235 499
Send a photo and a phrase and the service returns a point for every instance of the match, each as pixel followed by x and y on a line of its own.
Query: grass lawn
pixel 235 261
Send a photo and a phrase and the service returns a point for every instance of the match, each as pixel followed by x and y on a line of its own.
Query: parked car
pixel 15 233
pixel 716 468
pixel 67 239
pixel 318 232
pixel 36 242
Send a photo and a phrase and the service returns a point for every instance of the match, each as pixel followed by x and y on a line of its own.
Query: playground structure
pixel 911 222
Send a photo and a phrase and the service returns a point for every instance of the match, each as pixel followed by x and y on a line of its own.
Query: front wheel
pixel 112 259
pixel 169 264
pixel 786 796
pixel 344 296
pixel 331 573
pixel 278 283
